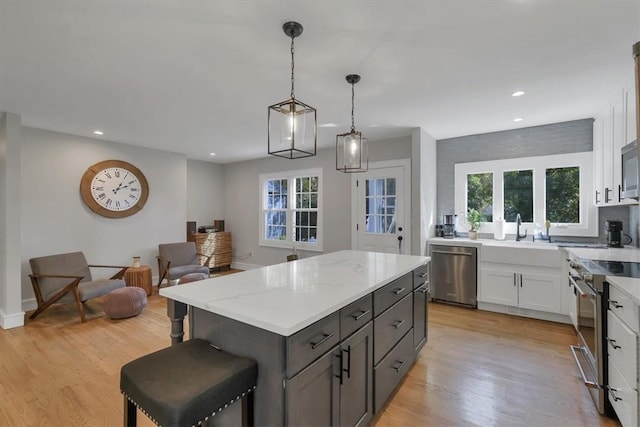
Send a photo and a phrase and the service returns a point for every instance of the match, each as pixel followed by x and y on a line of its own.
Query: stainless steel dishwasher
pixel 454 271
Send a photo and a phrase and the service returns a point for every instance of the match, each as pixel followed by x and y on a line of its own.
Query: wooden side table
pixel 140 277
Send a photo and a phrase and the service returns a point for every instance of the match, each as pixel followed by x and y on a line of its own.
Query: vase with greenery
pixel 474 220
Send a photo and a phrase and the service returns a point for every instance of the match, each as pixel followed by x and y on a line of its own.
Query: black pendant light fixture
pixel 351 147
pixel 293 126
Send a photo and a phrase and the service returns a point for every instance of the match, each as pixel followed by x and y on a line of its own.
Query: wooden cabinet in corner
pixel 217 244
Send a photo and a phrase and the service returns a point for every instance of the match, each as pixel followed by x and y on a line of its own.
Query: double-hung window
pixel 554 188
pixel 291 211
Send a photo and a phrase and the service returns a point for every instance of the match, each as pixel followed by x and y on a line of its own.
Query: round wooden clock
pixel 114 189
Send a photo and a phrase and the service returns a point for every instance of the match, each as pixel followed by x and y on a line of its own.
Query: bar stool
pixel 186 384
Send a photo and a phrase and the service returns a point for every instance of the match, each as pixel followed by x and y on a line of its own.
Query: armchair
pixel 65 278
pixel 177 259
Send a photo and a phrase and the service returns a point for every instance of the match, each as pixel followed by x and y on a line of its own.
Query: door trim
pixel 406 164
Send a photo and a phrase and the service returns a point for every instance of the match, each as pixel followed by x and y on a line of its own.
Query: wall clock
pixel 114 189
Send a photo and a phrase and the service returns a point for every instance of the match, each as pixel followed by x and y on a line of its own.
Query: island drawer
pixel 312 342
pixel 391 293
pixel 389 372
pixel 420 276
pixel 390 326
pixel 623 307
pixel 355 315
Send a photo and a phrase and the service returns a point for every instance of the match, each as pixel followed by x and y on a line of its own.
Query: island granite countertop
pixel 285 298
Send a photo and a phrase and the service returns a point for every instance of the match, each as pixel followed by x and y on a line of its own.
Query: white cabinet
pixel 630 107
pixel 622 347
pixel 572 295
pixel 525 281
pixel 514 286
pixel 614 127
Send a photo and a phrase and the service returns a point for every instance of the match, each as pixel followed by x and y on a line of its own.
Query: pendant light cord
pixel 292 68
pixel 353 96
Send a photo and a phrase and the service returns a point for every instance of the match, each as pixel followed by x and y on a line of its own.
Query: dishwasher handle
pixel 434 251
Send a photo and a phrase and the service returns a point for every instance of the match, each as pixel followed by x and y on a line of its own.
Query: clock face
pixel 114 188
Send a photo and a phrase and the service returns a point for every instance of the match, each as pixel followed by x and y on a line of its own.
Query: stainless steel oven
pixel 590 353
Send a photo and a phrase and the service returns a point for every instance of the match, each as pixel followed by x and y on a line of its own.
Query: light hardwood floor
pixel 477 368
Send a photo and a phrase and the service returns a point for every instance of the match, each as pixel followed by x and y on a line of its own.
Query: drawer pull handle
pixel 398 323
pixel 423 275
pixel 398 291
pixel 324 339
pixel 363 313
pixel 424 290
pixel 398 365
pixel 613 344
pixel 613 394
pixel 615 304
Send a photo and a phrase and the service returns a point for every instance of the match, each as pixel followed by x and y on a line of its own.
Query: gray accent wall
pixel 558 138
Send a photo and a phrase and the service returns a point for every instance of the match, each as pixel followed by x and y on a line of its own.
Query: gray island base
pixel 365 322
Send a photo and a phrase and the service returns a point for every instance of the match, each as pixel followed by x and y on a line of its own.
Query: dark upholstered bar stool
pixel 186 384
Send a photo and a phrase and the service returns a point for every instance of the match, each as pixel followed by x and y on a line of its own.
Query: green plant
pixel 474 219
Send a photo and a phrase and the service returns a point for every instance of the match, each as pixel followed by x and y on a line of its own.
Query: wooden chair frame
pixel 71 287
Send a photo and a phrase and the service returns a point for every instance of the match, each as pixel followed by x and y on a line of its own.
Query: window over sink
pixel 555 188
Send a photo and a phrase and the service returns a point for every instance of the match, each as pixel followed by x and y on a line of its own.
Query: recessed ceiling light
pixel 212 154
pixel 518 93
pixel 518 119
pixel 98 132
pixel 328 125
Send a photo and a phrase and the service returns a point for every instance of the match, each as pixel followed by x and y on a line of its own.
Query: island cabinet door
pixel 312 396
pixel 420 313
pixel 356 388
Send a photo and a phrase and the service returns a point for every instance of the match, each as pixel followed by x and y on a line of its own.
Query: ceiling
pixel 196 77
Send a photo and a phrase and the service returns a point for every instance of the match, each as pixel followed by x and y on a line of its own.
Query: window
pixel 480 194
pixel 291 212
pixel 555 188
pixel 380 205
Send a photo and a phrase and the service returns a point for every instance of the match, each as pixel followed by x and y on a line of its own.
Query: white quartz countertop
pixel 285 298
pixel 626 254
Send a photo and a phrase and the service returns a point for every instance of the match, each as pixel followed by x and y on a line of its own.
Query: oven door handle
pixel 587 383
pixel 588 292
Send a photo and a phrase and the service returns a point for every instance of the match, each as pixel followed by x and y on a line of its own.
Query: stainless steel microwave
pixel 630 177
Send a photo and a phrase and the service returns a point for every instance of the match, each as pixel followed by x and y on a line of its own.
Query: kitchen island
pixel 332 334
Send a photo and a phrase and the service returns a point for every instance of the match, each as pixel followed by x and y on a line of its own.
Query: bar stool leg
pixel 130 413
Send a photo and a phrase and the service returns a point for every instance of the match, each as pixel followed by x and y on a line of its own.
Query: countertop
pixel 285 298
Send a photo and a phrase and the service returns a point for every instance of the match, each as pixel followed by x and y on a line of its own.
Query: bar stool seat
pixel 186 384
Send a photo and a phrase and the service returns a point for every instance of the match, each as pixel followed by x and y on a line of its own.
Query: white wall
pixel 242 200
pixel 11 314
pixel 423 171
pixel 55 219
pixel 205 189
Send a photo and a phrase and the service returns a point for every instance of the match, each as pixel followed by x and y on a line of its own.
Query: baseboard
pixel 245 266
pixel 8 321
pixel 516 311
pixel 29 304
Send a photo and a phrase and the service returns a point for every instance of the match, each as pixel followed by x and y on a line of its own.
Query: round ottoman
pixel 192 277
pixel 124 302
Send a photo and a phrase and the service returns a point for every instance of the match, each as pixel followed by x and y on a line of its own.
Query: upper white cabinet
pixel 631 129
pixel 612 129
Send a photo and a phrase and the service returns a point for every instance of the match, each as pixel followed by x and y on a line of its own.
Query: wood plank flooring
pixel 477 369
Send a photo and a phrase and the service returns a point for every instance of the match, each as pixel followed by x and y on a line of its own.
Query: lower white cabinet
pixel 510 286
pixel 572 295
pixel 622 348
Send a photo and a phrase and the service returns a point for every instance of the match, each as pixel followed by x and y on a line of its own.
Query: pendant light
pixel 351 148
pixel 293 126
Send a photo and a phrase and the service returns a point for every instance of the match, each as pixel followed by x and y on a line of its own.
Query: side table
pixel 139 277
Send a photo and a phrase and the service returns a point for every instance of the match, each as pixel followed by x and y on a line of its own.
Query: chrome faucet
pixel 518 224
